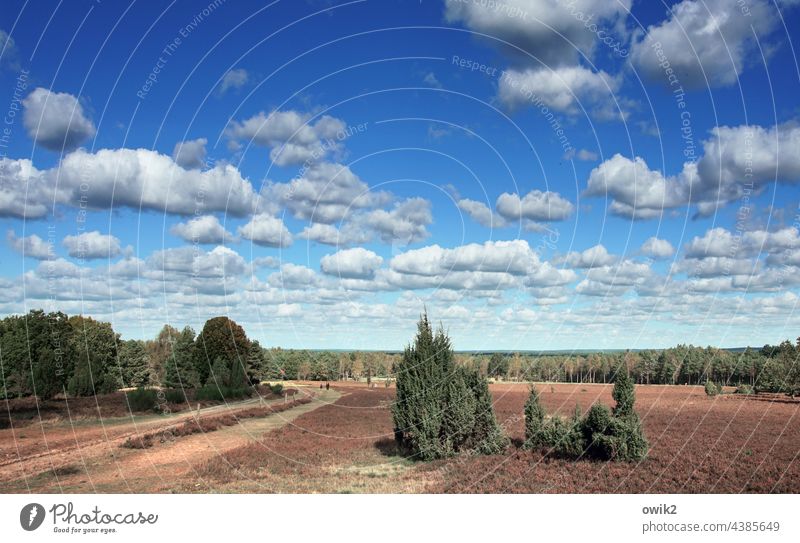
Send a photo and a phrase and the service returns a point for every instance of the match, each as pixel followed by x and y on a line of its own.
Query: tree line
pixel 50 353
pixel 773 368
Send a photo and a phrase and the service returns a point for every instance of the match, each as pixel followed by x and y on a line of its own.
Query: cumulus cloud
pixel 91 245
pixel 357 263
pixel 349 234
pixel 190 154
pixel 720 242
pixel 136 178
pixel 615 279
pixel 476 269
pixel 404 224
pixel 708 42
pixel 293 276
pixel 568 89
pixel 657 248
pixel 293 137
pixel 553 31
pixel 24 190
pixel 31 246
pixel 185 261
pixel 593 257
pixel 266 230
pixel 734 160
pixel 481 213
pixel 56 120
pixel 326 193
pixel 536 206
pixel 204 229
pixel 235 78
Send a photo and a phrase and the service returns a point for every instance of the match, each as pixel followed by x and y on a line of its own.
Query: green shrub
pixel 600 434
pixel 711 388
pixel 213 393
pixel 534 420
pixel 175 395
pixel 277 388
pixel 744 389
pixel 142 399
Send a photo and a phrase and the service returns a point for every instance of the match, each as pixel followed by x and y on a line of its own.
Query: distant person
pixel 327 386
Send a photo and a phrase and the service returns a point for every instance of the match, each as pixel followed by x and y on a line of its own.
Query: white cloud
pixel 569 89
pixel 514 257
pixel 481 213
pixel 90 245
pixel 233 79
pixel 293 276
pixel 24 190
pixel 357 263
pixel 190 154
pixel 177 263
pixel 292 137
pixel 350 234
pixel 553 31
pixel 716 242
pixel 143 178
pixel 31 246
pixel 708 42
pixel 204 229
pixel 657 248
pixel 637 190
pixel 593 257
pixel 535 206
pixel 266 230
pixel 404 224
pixel 326 193
pixel 56 120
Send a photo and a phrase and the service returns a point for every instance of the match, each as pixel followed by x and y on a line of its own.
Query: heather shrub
pixel 277 388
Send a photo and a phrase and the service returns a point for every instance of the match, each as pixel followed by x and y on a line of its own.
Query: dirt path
pixel 103 466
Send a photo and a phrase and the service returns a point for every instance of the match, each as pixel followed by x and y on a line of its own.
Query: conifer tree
pixel 441 410
pixel 181 371
pixel 534 419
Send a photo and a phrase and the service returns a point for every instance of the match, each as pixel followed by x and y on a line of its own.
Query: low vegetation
pixel 601 434
pixel 207 424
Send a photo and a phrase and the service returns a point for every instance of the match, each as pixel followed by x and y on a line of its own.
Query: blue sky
pixel 540 175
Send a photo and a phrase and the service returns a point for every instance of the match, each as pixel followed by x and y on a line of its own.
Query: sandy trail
pixel 101 465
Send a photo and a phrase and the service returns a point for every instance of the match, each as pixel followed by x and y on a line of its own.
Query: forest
pixel 46 354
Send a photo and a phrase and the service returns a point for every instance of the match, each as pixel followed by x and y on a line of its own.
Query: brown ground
pixel 88 457
pixel 698 444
